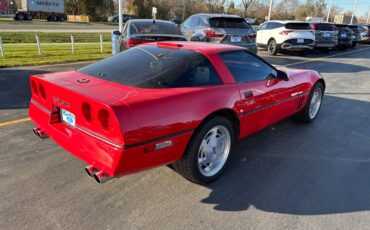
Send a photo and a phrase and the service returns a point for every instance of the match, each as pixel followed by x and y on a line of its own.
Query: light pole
pixel 269 16
pixel 327 18
pixel 120 21
pixel 353 12
pixel 368 17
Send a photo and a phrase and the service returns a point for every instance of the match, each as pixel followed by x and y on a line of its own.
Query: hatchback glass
pixel 298 26
pixel 157 68
pixel 150 27
pixel 325 26
pixel 237 23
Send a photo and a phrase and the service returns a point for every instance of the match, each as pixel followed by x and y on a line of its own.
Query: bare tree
pixel 246 4
pixel 72 6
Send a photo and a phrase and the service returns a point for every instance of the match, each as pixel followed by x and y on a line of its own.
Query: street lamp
pixel 268 18
pixel 353 12
pixel 327 18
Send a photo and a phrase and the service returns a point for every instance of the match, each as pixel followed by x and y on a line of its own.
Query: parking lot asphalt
pixel 288 176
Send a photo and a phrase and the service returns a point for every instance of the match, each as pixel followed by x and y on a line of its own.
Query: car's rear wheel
pixel 272 48
pixel 207 152
pixel 313 104
pixel 354 44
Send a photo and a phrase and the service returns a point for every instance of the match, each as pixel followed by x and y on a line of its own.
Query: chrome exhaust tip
pixel 101 177
pixel 90 170
pixel 40 133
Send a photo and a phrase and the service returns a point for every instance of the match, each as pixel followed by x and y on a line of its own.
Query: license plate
pixel 300 40
pixel 326 35
pixel 353 37
pixel 343 35
pixel 236 38
pixel 68 117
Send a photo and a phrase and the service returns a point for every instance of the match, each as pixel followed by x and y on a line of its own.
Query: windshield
pixel 148 27
pixel 153 67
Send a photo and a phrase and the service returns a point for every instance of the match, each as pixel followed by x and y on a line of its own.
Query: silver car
pixel 220 28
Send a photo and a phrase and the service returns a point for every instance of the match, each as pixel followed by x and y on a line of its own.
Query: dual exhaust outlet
pixel 99 176
pixel 91 171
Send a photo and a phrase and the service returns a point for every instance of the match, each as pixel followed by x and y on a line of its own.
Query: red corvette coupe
pixel 184 103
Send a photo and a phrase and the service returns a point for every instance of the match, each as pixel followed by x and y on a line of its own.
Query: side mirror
pixel 282 75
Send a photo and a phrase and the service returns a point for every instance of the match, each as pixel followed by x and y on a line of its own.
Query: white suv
pixel 277 36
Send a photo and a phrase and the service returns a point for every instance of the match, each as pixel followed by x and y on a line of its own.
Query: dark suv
pixel 356 35
pixel 344 36
pixel 326 35
pixel 220 28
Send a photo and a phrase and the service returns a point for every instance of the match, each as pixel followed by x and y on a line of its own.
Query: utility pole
pixel 353 12
pixel 268 18
pixel 120 21
pixel 327 18
pixel 368 18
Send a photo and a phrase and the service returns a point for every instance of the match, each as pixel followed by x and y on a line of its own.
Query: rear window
pixel 237 23
pixel 355 29
pixel 325 26
pixel 148 27
pixel 153 67
pixel 298 26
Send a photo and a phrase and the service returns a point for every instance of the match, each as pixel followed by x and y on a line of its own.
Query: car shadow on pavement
pixel 15 91
pixel 300 169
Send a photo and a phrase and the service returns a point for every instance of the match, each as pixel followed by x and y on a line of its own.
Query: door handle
pixel 248 94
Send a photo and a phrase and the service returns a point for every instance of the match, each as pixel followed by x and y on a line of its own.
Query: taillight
pixel 132 43
pixel 314 26
pixel 252 36
pixel 103 117
pixel 212 34
pixel 285 32
pixel 42 91
pixel 86 111
pixel 34 87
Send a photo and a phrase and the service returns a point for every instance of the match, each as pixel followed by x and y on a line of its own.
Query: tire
pixel 305 114
pixel 194 165
pixel 53 18
pixel 20 17
pixel 272 48
pixel 29 17
pixel 61 18
pixel 354 44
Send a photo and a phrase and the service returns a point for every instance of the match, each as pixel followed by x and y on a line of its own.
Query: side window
pixel 246 67
pixel 264 26
pixel 188 22
pixel 195 22
pixel 200 72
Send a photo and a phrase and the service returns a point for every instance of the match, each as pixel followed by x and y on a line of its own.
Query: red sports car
pixel 184 103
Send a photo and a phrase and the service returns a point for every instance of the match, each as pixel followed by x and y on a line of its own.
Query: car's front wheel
pixel 313 104
pixel 207 152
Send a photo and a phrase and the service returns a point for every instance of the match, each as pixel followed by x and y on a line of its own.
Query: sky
pixel 363 6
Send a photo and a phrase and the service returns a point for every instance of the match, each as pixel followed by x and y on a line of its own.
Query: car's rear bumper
pixel 325 44
pixel 110 158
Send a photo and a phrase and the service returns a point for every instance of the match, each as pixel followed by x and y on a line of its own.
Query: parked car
pixel 326 36
pixel 184 103
pixel 278 36
pixel 115 18
pixel 138 31
pixel 344 36
pixel 356 35
pixel 220 28
pixel 365 33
